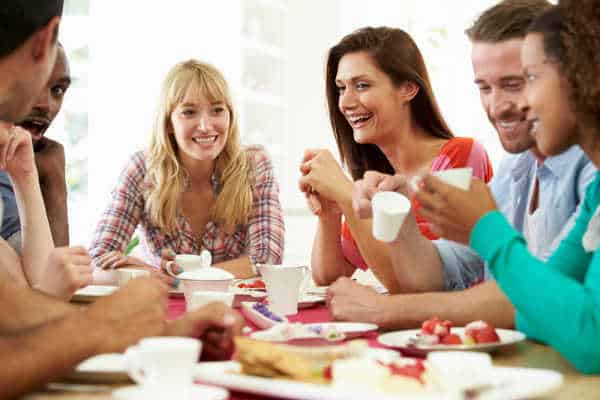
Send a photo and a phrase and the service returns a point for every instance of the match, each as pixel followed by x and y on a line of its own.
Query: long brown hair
pixel 397 55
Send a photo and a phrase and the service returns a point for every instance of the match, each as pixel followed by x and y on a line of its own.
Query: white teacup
pixel 127 274
pixel 458 177
pixel 389 211
pixel 190 262
pixel 455 371
pixel 201 298
pixel 283 286
pixel 165 364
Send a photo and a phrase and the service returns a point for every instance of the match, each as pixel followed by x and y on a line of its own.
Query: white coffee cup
pixel 389 211
pixel 283 286
pixel 458 177
pixel 164 364
pixel 454 371
pixel 190 262
pixel 201 298
pixel 127 274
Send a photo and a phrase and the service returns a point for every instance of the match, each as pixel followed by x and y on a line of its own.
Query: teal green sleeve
pixel 558 301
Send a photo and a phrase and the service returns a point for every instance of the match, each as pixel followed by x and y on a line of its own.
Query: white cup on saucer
pixel 389 211
pixel 283 286
pixel 127 274
pixel 164 364
pixel 190 262
pixel 200 298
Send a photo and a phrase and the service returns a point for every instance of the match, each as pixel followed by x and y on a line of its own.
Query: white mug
pixel 127 274
pixel 164 364
pixel 190 262
pixel 283 286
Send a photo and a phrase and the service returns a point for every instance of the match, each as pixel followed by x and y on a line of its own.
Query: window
pixel 271 51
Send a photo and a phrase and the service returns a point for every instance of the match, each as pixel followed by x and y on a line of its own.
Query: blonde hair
pixel 166 176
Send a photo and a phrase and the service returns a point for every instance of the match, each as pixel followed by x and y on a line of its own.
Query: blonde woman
pixel 195 188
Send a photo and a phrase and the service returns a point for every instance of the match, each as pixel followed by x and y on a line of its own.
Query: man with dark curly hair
pixel 540 196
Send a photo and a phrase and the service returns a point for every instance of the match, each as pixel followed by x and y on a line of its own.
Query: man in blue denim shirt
pixel 539 196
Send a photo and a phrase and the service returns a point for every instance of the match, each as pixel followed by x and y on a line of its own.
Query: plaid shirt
pixel 261 239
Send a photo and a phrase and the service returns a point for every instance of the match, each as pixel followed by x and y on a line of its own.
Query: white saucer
pixel 197 392
pixel 91 293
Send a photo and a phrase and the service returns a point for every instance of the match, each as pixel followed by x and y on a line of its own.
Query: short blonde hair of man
pixel 167 178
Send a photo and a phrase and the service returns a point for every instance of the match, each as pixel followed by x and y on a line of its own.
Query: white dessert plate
pixel 258 319
pixel 402 340
pixel 92 292
pixel 350 329
pixel 197 392
pixel 308 300
pixel 103 368
pixel 518 383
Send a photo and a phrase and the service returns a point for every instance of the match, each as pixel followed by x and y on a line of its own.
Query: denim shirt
pixel 10 219
pixel 563 180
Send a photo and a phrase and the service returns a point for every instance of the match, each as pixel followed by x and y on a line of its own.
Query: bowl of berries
pixel 437 334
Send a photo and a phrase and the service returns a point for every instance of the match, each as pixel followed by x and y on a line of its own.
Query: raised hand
pixel 322 175
pixel 68 269
pixel 16 152
pixel 372 182
pixel 454 212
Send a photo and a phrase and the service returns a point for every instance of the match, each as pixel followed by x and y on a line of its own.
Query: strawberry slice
pixel 436 326
pixel 414 370
pixel 451 339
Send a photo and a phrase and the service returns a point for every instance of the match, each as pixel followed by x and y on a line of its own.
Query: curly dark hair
pixel 582 55
pixel 571 38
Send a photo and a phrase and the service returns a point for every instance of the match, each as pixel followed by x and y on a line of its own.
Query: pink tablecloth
pixel 319 313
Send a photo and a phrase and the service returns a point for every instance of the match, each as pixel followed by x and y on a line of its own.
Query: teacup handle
pixel 205 258
pixel 134 366
pixel 169 268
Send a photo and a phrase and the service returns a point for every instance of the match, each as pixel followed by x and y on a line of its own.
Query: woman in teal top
pixel 558 301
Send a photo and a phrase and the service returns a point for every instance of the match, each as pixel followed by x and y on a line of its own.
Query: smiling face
pixel 50 100
pixel 499 77
pixel 546 99
pixel 200 126
pixel 367 98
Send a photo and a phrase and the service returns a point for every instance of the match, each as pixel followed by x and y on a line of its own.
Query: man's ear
pixel 44 41
pixel 408 90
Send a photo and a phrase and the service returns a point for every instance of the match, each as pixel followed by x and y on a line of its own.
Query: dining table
pixel 527 354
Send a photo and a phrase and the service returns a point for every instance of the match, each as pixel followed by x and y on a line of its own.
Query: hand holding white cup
pixel 190 262
pixel 457 177
pixel 389 211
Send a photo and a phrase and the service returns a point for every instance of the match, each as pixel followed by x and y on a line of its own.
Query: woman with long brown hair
pixel 385 118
